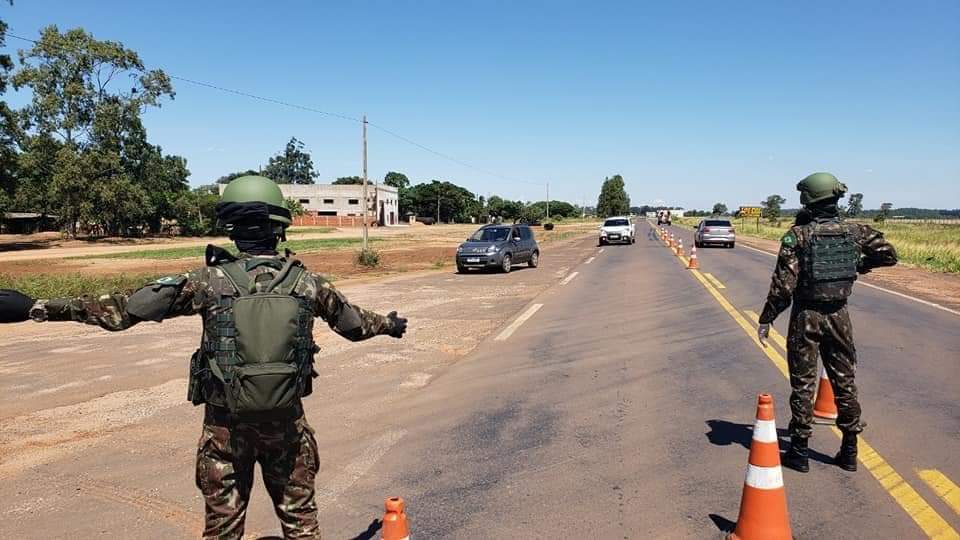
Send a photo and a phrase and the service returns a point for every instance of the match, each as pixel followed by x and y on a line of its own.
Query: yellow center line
pixel 932 524
pixel 774 335
pixel 943 487
pixel 716 282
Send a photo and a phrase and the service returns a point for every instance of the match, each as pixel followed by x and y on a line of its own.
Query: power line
pixel 283 103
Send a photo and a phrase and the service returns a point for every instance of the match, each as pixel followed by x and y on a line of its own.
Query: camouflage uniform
pixel 821 327
pixel 286 449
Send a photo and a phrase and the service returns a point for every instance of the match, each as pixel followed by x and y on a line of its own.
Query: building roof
pixel 26 215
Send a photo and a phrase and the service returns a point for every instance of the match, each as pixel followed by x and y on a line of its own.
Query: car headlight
pixel 459 249
pixel 603 233
pixel 492 249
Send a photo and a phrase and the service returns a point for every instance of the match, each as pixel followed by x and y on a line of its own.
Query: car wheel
pixel 461 269
pixel 506 264
pixel 732 244
pixel 534 260
pixel 601 243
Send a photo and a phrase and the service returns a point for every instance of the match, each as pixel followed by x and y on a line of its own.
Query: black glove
pixel 15 307
pixel 398 325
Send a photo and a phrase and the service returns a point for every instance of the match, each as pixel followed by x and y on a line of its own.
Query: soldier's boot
pixel 797 457
pixel 846 458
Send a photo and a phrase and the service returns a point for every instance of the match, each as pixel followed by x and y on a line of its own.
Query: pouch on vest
pixel 830 268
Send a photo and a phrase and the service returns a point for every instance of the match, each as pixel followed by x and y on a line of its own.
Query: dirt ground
pixel 936 287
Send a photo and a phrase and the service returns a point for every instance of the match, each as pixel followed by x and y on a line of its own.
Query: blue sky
pixel 692 102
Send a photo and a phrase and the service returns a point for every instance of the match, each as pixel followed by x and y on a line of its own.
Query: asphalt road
pixel 623 409
pixel 611 395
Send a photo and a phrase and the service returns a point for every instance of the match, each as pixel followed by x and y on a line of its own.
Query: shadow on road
pixel 722 523
pixel 371 531
pixel 724 433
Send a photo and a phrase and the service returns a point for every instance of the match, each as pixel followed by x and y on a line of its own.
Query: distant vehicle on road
pixel 664 218
pixel 617 230
pixel 715 232
pixel 499 247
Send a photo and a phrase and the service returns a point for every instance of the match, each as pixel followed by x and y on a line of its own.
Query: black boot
pixel 797 457
pixel 846 459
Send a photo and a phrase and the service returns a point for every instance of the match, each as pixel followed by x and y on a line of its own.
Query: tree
pixel 613 200
pixel 771 208
pixel 8 150
pixel 227 178
pixel 348 180
pixel 855 205
pixel 884 212
pixel 397 180
pixel 719 209
pixel 84 149
pixel 294 206
pixel 444 200
pixel 557 208
pixel 292 166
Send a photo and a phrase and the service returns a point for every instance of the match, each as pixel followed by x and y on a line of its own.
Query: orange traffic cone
pixel 692 264
pixel 679 249
pixel 763 507
pixel 395 520
pixel 671 242
pixel 825 407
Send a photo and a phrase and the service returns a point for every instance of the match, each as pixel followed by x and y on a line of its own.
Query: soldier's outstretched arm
pixel 166 297
pixel 784 280
pixel 876 250
pixel 350 321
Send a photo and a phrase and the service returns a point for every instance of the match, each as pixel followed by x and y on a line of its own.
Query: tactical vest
pixel 828 262
pixel 256 357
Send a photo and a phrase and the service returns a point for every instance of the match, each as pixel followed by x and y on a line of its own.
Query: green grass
pixel 309 230
pixel 934 246
pixel 60 285
pixel 191 252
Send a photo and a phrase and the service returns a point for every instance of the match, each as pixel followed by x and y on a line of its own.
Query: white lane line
pixel 590 260
pixel 879 288
pixel 569 278
pixel 508 331
pixel 357 468
pixel 601 250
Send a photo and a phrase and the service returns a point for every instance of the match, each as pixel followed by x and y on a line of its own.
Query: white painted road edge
pixel 357 468
pixel 508 331
pixel 590 260
pixel 601 250
pixel 569 278
pixel 877 287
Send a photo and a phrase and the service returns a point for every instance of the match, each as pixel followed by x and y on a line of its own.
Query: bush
pixel 368 257
pixel 548 226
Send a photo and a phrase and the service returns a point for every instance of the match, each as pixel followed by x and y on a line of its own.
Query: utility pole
pixel 548 201
pixel 365 201
pixel 438 203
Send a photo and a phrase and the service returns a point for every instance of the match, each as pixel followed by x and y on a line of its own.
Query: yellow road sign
pixel 750 211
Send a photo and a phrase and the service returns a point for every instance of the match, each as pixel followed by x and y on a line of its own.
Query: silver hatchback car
pixel 715 231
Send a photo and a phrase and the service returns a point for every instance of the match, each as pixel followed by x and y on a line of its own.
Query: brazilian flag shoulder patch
pixel 170 281
pixel 789 239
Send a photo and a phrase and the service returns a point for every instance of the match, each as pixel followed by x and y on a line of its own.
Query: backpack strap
pixel 238 277
pixel 287 278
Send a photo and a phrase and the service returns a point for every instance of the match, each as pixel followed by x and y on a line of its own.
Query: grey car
pixel 499 247
pixel 715 232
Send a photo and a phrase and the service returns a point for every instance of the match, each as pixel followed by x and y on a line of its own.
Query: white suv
pixel 616 230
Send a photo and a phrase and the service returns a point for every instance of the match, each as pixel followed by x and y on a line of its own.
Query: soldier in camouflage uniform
pixel 819 260
pixel 232 442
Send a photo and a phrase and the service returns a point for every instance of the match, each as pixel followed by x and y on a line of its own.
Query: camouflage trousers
pixel 822 330
pixel 287 453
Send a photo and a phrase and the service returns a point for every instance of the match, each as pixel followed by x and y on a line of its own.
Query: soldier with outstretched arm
pixel 255 361
pixel 820 258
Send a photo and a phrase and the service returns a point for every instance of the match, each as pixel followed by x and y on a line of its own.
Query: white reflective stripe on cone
pixel 765 431
pixel 764 477
pixel 823 373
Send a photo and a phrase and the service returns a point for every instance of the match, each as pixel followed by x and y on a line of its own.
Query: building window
pixel 304 201
pixel 353 201
pixel 327 213
pixel 328 201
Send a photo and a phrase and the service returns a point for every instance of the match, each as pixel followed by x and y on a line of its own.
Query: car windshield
pixel 615 223
pixel 716 223
pixel 491 234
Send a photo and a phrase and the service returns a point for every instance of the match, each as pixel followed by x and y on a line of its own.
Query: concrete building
pixel 340 205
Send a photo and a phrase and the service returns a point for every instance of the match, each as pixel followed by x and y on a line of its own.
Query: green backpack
pixel 262 344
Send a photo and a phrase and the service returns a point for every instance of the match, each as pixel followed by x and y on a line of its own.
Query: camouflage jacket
pixel 197 293
pixel 875 251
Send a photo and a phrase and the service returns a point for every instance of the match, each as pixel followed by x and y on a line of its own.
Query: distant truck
pixel 664 218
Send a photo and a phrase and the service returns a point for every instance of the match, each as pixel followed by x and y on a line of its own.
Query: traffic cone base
pixel 693 263
pixel 825 406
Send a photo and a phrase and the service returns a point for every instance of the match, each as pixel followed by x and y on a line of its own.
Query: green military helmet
pixel 820 186
pixel 247 189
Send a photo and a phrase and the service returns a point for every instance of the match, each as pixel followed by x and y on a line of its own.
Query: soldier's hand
pixel 14 306
pixel 763 332
pixel 398 325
